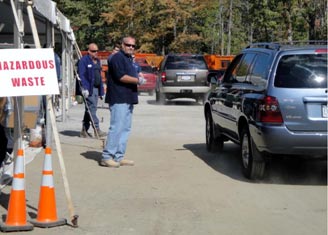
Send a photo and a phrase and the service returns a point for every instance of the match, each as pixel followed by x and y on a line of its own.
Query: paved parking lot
pixel 176 187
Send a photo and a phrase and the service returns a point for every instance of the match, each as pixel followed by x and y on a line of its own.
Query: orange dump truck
pixel 218 62
pixel 214 62
pixel 152 59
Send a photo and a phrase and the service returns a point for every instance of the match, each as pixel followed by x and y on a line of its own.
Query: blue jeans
pixel 92 102
pixel 119 130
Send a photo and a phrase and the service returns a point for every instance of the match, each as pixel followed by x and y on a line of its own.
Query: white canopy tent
pixel 39 23
pixel 36 23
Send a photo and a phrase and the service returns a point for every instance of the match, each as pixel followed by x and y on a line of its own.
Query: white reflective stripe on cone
pixel 18 183
pixel 47 181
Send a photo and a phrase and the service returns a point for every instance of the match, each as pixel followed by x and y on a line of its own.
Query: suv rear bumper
pixel 184 89
pixel 280 140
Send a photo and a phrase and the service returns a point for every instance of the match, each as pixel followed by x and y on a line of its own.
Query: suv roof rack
pixel 303 43
pixel 278 45
pixel 267 45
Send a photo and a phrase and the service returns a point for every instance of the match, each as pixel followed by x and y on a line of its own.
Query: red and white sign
pixel 26 72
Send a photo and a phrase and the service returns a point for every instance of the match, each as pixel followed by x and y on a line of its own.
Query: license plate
pixel 185 78
pixel 185 91
pixel 324 111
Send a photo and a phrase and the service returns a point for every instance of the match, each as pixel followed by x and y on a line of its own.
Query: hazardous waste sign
pixel 26 72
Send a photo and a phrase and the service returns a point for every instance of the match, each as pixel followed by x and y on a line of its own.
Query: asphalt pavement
pixel 176 187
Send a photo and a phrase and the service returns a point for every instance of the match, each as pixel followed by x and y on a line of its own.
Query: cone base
pixel 13 228
pixel 49 224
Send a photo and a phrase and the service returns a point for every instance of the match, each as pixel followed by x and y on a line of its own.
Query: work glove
pixel 141 80
pixel 85 93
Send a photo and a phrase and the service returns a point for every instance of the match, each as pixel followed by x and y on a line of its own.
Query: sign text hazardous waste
pixel 26 72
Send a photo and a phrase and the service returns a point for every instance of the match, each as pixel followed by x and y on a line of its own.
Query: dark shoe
pixel 109 163
pixel 85 134
pixel 100 133
pixel 126 162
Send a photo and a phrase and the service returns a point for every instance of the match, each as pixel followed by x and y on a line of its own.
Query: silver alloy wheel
pixel 245 151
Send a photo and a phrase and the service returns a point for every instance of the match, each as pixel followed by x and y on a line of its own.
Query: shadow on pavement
pixel 220 162
pixel 4 200
pixel 70 133
pixel 278 170
pixel 175 102
pixel 92 155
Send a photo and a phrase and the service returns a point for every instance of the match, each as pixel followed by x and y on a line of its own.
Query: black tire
pixel 160 97
pixel 212 144
pixel 253 163
pixel 157 96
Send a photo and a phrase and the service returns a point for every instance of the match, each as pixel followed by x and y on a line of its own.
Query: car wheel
pixel 253 163
pixel 212 144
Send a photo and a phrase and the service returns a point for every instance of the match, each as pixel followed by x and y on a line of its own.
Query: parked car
pixel 182 76
pixel 150 76
pixel 272 101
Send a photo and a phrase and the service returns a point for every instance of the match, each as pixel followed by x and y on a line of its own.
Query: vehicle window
pixel 225 63
pixel 302 71
pixel 185 62
pixel 230 74
pixel 244 67
pixel 259 73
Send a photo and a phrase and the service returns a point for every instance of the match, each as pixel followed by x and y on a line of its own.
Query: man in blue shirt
pixel 121 95
pixel 89 69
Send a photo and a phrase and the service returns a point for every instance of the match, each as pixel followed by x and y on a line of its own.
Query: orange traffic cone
pixel 16 217
pixel 47 212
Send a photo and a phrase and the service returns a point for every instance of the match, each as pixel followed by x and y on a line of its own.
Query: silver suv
pixel 272 101
pixel 182 76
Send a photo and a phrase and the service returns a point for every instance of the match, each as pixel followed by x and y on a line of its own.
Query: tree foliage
pixel 207 26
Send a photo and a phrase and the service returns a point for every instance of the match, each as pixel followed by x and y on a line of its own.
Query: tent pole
pixel 50 111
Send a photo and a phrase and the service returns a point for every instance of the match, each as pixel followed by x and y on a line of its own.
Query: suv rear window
pixel 302 71
pixel 185 62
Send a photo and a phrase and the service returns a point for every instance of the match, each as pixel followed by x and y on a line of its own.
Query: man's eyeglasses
pixel 93 51
pixel 129 45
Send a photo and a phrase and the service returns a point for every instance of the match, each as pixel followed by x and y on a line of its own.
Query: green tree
pixel 159 25
pixel 315 14
pixel 86 21
pixel 208 26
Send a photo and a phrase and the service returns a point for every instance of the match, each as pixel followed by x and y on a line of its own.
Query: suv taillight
pixel 163 77
pixel 269 111
pixel 323 50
